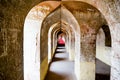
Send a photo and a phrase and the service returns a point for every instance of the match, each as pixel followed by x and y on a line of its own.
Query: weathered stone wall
pixel 90 20
pixel 47 23
pixel 12 16
pixel 111 11
pixel 11 27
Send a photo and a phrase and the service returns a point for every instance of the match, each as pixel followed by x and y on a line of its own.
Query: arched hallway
pixel 29 33
pixel 61 68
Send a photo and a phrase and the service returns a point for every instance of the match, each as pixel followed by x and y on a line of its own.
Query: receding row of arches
pixel 85 32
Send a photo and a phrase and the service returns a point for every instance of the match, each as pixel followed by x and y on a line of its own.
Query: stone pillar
pixel 87 63
pixel 87 55
pixel 72 48
pixel 67 44
pixel 77 55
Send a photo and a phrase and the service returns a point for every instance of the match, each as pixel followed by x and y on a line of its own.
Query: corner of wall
pixel 44 68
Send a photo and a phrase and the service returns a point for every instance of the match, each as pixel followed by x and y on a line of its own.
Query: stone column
pixel 87 55
pixel 72 47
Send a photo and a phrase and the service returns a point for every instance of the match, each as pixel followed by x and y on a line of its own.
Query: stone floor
pixel 61 68
pixel 102 70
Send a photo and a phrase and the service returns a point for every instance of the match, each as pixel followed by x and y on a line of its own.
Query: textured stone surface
pixel 87 72
pixel 56 17
pixel 31 40
pixel 12 16
pixel 90 20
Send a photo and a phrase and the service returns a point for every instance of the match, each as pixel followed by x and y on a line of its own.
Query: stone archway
pixel 89 25
pixel 32 33
pixel 12 18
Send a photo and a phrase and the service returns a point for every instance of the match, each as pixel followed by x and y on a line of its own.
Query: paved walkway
pixel 61 68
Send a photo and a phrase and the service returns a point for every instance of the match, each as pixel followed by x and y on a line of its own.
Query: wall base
pixel 43 68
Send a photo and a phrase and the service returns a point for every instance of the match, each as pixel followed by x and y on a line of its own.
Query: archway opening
pixel 32 30
pixel 77 17
pixel 61 38
pixel 103 53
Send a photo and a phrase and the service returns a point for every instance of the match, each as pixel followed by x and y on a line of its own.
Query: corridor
pixel 61 68
pixel 29 33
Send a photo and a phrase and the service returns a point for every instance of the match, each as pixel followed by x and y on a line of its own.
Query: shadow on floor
pixel 61 47
pixel 59 52
pixel 60 67
pixel 58 59
pixel 102 77
pixel 56 76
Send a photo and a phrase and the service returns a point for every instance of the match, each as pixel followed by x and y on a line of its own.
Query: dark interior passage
pixel 61 68
pixel 102 70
